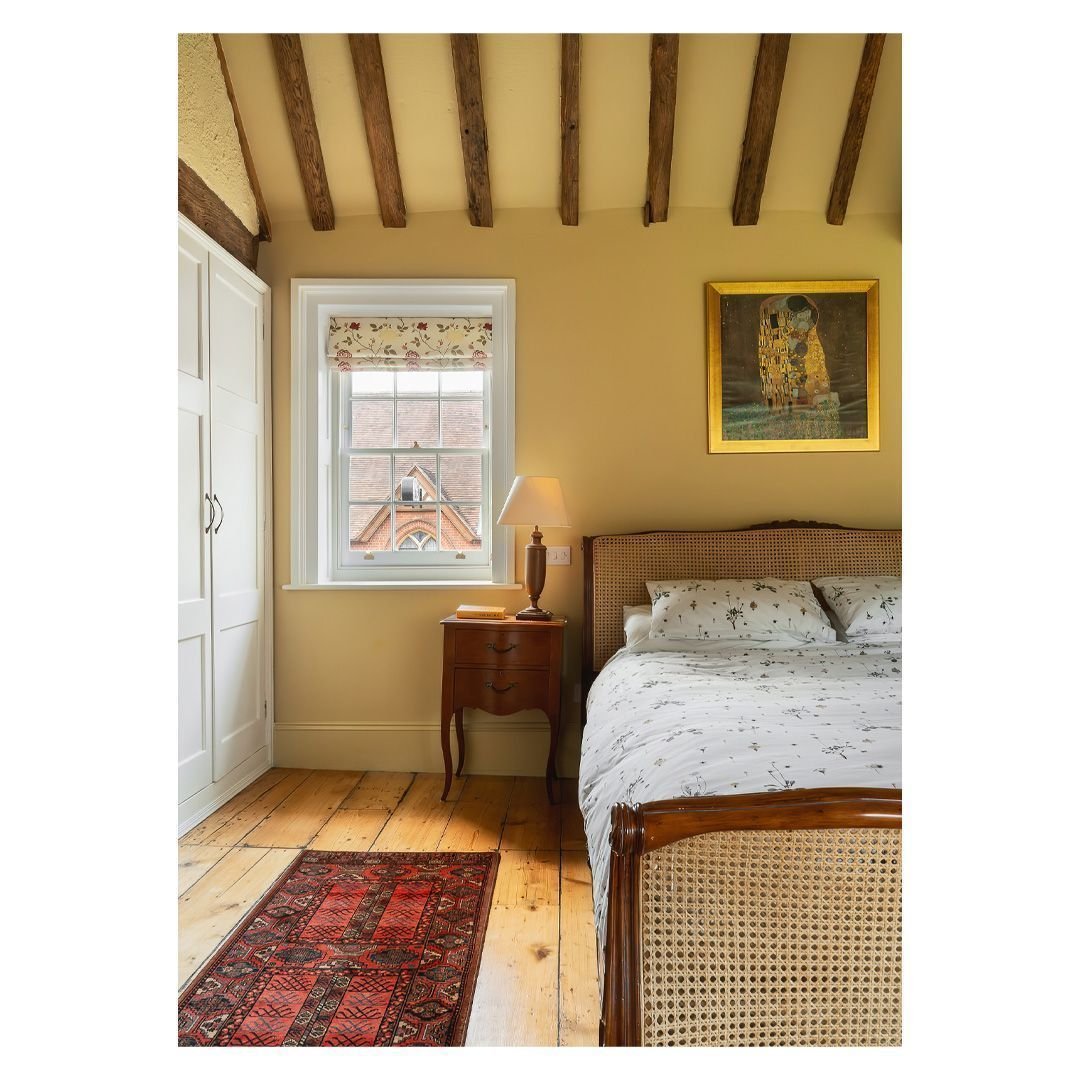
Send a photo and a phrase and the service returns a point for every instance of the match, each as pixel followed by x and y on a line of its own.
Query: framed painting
pixel 793 366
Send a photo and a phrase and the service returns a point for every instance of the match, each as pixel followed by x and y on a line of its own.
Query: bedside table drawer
pixel 500 691
pixel 501 648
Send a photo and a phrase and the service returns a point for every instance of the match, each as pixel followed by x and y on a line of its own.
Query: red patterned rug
pixel 350 949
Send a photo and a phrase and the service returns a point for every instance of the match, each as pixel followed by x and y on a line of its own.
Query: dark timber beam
pixel 851 146
pixel 203 207
pixel 465 50
pixel 292 75
pixel 249 164
pixel 375 105
pixel 571 83
pixel 664 70
pixel 760 124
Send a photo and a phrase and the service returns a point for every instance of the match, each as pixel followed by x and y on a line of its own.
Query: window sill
pixel 510 586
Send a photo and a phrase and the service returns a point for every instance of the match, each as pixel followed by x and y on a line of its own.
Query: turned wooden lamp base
pixel 538 614
pixel 535 575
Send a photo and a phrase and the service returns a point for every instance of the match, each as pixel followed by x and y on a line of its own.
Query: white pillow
pixel 866 607
pixel 737 609
pixel 637 621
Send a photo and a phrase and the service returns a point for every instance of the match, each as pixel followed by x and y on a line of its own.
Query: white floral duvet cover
pixel 751 718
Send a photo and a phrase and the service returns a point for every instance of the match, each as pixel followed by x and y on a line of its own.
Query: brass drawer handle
pixel 495 648
pixel 500 690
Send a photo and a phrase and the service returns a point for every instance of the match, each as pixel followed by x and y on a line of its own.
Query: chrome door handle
pixel 207 498
pixel 500 689
pixel 495 648
pixel 217 528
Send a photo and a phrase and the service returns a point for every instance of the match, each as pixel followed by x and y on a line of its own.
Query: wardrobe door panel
pixel 237 418
pixel 194 638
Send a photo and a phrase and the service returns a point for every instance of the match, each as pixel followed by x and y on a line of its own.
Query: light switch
pixel 558 556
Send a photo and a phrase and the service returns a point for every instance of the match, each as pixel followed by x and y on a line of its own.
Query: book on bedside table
pixel 480 611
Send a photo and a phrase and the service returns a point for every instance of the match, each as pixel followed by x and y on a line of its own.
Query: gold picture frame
pixel 769 346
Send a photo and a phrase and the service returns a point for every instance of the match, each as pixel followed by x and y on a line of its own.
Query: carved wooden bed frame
pixel 616 569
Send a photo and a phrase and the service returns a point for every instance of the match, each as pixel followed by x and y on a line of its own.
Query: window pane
pixel 417 423
pixel 369 528
pixel 372 382
pixel 369 478
pixel 462 477
pixel 463 423
pixel 460 528
pixel 418 382
pixel 410 522
pixel 372 423
pixel 418 467
pixel 462 382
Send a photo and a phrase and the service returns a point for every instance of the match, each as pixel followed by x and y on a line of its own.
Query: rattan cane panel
pixel 772 938
pixel 622 564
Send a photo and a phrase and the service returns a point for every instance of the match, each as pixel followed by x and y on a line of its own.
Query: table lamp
pixel 535 501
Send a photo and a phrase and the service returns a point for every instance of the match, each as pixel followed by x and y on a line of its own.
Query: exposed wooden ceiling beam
pixel 571 83
pixel 760 124
pixel 465 50
pixel 851 145
pixel 204 207
pixel 664 71
pixel 375 105
pixel 249 164
pixel 292 75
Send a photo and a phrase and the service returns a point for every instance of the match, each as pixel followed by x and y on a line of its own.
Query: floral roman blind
pixel 390 342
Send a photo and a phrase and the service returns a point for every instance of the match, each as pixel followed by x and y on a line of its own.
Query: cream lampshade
pixel 535 501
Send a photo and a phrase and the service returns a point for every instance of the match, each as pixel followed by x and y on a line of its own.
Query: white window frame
pixel 317 401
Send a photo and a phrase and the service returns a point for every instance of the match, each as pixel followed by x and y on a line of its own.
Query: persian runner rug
pixel 350 949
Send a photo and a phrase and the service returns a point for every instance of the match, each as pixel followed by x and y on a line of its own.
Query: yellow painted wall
pixel 207 136
pixel 610 398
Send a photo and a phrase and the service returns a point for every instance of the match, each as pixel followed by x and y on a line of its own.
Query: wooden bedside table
pixel 501 666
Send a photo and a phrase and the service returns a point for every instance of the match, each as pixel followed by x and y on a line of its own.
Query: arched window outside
pixel 418 541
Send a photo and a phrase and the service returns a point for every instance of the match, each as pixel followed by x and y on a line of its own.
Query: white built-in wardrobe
pixel 224 624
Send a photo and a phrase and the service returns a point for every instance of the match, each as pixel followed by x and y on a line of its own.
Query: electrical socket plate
pixel 558 556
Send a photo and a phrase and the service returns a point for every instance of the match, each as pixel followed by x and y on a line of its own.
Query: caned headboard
pixel 617 567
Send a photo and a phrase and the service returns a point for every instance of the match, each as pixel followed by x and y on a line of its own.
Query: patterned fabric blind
pixel 437 343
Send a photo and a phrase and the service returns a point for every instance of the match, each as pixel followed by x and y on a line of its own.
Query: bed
pixel 742 797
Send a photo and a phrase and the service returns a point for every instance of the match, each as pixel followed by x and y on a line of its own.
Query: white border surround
pixel 205 802
pixel 313 301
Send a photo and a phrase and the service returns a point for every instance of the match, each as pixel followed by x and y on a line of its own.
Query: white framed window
pixel 397 473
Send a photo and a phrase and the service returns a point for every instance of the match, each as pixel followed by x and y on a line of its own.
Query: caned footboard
pixel 755 920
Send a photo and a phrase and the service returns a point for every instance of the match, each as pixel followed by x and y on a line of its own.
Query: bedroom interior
pixel 612 289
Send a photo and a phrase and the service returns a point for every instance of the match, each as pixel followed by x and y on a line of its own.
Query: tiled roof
pixel 417 421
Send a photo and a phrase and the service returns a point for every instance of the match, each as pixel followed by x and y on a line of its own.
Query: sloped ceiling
pixel 521 74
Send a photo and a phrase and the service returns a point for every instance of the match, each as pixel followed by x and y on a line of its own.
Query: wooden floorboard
pixel 195 861
pixel 294 823
pixel 350 830
pixel 517 992
pixel 537 984
pixel 573 828
pixel 532 823
pixel 420 819
pixel 379 791
pixel 231 829
pixel 476 823
pixel 579 1005
pixel 202 832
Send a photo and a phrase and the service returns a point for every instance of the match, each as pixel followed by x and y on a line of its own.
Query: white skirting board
pixel 494 748
pixel 203 803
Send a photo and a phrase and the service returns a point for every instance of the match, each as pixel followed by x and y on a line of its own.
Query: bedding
pixel 865 607
pixel 637 621
pixel 736 608
pixel 724 721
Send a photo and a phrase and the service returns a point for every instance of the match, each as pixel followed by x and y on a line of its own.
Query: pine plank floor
pixel 537 984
